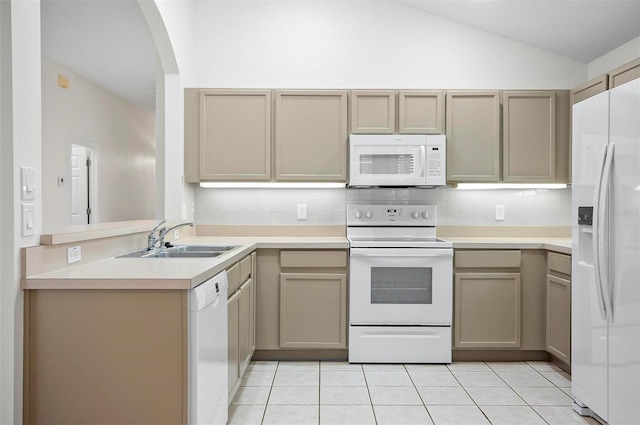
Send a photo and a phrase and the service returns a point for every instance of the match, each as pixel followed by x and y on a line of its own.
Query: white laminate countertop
pixel 562 245
pixel 170 273
pixel 187 273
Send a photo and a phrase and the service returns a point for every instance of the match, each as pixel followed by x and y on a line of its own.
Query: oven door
pixel 401 286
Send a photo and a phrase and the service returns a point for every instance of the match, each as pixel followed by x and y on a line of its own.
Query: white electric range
pixel 401 285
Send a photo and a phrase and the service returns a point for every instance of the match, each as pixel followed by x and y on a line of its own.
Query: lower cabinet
pixel 487 299
pixel 313 310
pixel 302 301
pixel 233 311
pixel 558 306
pixel 487 310
pixel 241 320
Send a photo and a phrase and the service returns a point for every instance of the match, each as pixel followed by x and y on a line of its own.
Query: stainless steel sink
pixel 182 254
pixel 200 248
pixel 182 251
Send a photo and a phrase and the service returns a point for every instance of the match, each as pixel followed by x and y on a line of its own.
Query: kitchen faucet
pixel 151 239
pixel 164 232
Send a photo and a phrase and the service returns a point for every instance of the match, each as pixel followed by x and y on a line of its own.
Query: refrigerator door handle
pixel 603 258
pixel 596 239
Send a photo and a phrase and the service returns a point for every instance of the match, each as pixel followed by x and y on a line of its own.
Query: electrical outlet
pixel 176 234
pixel 74 254
pixel 302 211
pixel 499 212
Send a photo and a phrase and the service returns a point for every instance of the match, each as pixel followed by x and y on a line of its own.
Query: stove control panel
pixel 391 215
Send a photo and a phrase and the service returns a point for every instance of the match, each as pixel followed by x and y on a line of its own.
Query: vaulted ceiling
pixel 109 43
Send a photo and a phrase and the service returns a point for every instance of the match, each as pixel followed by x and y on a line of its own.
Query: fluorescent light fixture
pixel 484 186
pixel 272 185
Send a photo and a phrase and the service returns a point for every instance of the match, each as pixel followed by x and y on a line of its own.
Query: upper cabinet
pixel 473 136
pixel 624 74
pixel 421 112
pixel 235 135
pixel 589 89
pixel 533 146
pixel 229 135
pixel 311 135
pixel 417 112
pixel 373 112
pixel 529 132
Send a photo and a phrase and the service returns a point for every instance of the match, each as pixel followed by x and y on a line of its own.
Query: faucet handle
pixel 158 225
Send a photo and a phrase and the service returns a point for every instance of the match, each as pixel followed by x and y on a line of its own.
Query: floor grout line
pixel 415 388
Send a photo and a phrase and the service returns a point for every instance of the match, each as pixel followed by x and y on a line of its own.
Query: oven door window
pixel 401 285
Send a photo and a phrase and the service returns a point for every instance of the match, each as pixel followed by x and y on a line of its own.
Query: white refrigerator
pixel 605 291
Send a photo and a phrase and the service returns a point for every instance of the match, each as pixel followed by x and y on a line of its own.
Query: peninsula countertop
pixel 170 273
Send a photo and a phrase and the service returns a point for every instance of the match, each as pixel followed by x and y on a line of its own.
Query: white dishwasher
pixel 208 374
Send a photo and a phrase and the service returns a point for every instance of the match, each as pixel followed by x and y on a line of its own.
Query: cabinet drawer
pixel 315 259
pixel 559 263
pixel 487 259
pixel 245 268
pixel 233 276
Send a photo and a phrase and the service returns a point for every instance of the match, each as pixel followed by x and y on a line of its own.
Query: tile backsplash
pixel 539 207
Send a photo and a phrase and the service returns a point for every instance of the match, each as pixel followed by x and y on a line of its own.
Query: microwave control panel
pixel 391 215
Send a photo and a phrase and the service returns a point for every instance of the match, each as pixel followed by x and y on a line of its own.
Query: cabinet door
pixel 233 314
pixel 373 112
pixel 627 72
pixel 311 135
pixel 559 317
pixel 529 132
pixel 487 310
pixel 473 136
pixel 245 313
pixel 313 310
pixel 235 135
pixel 421 112
pixel 254 303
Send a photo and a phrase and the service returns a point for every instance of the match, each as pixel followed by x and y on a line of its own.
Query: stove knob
pixel 425 215
pixel 368 214
pixel 358 214
pixel 415 214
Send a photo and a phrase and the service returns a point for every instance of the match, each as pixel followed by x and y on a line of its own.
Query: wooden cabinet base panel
pixel 501 356
pixel 293 355
pixel 105 356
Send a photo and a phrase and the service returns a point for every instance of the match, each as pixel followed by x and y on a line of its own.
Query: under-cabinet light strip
pixel 272 185
pixel 479 186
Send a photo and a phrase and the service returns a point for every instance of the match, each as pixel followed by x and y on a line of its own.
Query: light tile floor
pixel 339 393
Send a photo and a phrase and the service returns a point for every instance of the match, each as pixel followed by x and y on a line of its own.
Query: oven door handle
pixel 410 252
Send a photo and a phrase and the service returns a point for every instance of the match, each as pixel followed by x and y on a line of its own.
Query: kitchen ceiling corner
pixel 116 50
pixel 580 30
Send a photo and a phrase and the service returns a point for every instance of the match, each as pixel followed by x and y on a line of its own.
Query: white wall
pixel 327 206
pixel 20 145
pixel 358 45
pixel 615 58
pixel 173 194
pixel 123 135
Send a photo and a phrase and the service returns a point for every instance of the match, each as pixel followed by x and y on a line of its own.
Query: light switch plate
pixel 499 212
pixel 27 183
pixel 28 219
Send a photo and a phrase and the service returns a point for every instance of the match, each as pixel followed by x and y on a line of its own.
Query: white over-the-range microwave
pixel 396 160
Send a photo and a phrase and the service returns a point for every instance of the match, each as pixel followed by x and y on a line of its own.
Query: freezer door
pixel 589 328
pixel 624 220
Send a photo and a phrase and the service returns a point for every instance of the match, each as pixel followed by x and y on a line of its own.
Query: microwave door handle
pixel 423 159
